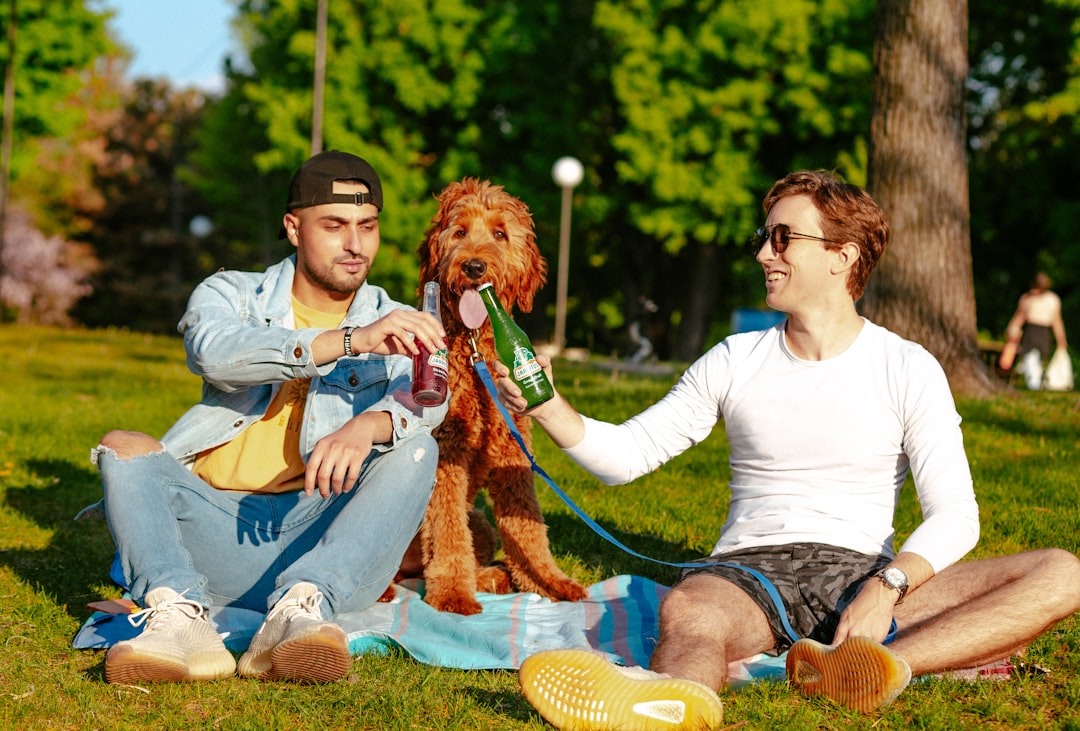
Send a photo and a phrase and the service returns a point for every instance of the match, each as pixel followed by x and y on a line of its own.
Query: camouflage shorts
pixel 816 582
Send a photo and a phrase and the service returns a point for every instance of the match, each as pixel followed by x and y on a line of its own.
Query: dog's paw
pixel 568 591
pixel 455 602
pixel 494 579
pixel 562 589
pixel 549 582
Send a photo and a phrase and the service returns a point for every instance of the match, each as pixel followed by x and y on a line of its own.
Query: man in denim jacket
pixel 297 483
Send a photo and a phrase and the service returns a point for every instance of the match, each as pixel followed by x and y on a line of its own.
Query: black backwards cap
pixel 313 183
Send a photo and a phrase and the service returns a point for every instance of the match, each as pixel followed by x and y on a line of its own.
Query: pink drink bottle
pixel 429 384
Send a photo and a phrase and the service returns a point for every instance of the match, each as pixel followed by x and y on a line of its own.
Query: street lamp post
pixel 567 173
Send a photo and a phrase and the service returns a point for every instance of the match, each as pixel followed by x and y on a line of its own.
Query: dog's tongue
pixel 471 309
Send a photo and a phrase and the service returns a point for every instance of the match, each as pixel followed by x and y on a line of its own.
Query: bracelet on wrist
pixel 348 342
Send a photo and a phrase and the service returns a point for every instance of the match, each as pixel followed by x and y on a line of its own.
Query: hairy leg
pixel 705 622
pixel 980 611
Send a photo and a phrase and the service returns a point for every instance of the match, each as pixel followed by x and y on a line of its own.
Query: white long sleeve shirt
pixel 819 449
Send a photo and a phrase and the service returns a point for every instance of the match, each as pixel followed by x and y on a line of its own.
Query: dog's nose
pixel 474 268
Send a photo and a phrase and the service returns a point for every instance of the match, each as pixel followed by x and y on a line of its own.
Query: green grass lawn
pixel 64 389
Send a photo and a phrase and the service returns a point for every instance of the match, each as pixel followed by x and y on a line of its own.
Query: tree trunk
pixel 698 303
pixel 923 288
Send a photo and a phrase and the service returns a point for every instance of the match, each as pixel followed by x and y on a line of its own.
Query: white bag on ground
pixel 1059 373
pixel 1031 368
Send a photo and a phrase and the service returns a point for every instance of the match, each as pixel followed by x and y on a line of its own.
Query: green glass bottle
pixel 515 350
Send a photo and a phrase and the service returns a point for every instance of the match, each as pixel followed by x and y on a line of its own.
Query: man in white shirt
pixel 825 414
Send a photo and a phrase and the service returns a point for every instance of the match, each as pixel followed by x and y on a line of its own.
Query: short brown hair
pixel 848 213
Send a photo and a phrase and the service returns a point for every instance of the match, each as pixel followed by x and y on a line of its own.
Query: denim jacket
pixel 239 339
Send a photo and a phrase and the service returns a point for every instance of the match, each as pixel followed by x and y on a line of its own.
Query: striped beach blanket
pixel 618 620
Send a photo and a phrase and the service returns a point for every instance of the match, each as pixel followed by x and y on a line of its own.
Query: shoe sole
pixel 859 673
pixel 127 665
pixel 320 657
pixel 255 665
pixel 576 690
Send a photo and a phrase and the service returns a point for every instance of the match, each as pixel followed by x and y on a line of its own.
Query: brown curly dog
pixel 480 234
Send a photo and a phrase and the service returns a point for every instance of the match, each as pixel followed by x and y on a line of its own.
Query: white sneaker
pixel 294 643
pixel 177 643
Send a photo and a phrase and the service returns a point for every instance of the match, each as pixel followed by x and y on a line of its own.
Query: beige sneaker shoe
pixel 294 643
pixel 858 673
pixel 579 691
pixel 177 643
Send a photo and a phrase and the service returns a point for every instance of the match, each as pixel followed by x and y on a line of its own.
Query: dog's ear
pixel 427 256
pixel 428 251
pixel 535 266
pixel 424 256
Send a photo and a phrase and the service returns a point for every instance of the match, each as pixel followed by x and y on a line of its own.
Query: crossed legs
pixel 183 543
pixel 980 611
pixel 967 615
pixel 705 623
pixel 971 613
pixel 248 549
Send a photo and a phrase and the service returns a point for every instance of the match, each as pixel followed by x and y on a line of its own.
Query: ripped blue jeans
pixel 241 549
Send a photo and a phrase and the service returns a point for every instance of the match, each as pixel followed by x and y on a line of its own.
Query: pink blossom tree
pixel 43 277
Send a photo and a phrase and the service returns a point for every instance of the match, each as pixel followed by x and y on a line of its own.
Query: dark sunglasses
pixel 780 236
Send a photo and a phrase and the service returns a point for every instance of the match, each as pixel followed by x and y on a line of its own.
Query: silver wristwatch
pixel 894 578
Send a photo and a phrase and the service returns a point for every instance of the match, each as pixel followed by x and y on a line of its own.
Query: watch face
pixel 895 577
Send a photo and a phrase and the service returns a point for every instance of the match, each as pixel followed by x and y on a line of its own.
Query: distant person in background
pixel 645 307
pixel 1027 336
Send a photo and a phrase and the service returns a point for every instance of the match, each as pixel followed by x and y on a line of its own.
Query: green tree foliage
pixel 683 115
pixel 704 94
pixel 1025 200
pixel 717 100
pixel 402 78
pixel 58 44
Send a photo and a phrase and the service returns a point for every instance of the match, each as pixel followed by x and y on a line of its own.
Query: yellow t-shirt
pixel 265 457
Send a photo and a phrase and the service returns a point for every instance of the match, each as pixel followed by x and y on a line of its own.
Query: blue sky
pixel 182 40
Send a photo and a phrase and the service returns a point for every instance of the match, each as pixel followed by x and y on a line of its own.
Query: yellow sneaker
pixel 575 690
pixel 858 673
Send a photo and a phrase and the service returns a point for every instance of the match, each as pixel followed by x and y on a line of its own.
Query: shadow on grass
pixel 79 554
pixel 74 565
pixel 569 534
pixel 505 703
pixel 1026 414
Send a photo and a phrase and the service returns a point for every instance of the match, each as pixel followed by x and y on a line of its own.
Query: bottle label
pixel 437 360
pixel 525 364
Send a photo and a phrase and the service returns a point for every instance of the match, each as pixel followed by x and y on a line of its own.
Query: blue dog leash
pixel 485 376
